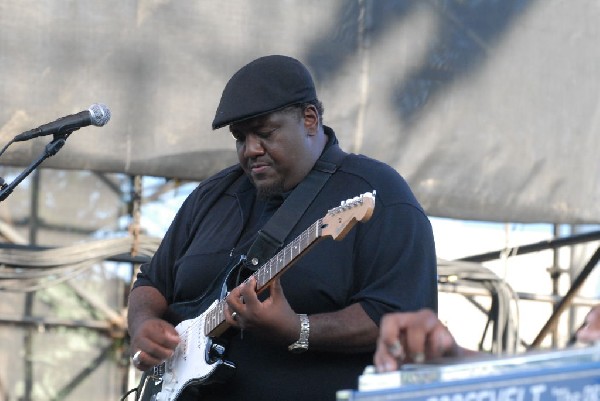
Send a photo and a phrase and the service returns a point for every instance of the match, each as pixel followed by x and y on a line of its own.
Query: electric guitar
pixel 199 360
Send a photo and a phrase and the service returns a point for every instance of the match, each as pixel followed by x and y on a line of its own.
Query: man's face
pixel 274 150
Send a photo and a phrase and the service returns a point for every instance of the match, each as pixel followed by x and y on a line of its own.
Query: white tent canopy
pixel 490 110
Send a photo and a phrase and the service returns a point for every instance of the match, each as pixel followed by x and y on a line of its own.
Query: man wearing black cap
pixel 315 329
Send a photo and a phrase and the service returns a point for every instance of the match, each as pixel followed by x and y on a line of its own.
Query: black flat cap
pixel 265 85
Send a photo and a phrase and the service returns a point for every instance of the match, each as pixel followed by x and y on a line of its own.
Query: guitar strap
pixel 272 236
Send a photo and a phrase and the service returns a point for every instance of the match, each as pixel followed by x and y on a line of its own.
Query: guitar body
pixel 198 360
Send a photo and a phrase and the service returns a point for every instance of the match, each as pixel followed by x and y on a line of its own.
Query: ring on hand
pixel 419 357
pixel 234 315
pixel 136 358
pixel 396 350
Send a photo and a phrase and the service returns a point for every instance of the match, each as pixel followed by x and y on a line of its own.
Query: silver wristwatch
pixel 302 344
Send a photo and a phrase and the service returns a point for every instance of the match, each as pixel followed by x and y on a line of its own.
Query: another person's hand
pixel 590 331
pixel 413 337
pixel 154 341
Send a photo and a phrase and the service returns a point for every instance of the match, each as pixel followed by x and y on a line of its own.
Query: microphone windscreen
pixel 99 114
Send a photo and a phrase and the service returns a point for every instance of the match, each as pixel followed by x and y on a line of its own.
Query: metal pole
pixel 30 296
pixel 566 301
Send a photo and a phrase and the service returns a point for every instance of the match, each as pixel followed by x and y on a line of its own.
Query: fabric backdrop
pixel 490 109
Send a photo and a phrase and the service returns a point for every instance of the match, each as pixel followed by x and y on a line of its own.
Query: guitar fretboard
pixel 268 271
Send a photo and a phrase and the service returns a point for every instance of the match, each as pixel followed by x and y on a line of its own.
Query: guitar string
pixel 218 308
pixel 313 227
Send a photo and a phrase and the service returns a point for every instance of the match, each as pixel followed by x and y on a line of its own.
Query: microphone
pixel 97 114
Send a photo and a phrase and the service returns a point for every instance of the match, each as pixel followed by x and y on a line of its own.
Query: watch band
pixel 301 344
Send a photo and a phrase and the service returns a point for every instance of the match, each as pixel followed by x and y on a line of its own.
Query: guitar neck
pixel 215 316
pixel 286 257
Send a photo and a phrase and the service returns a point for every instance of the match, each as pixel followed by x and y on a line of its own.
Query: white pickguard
pixel 188 364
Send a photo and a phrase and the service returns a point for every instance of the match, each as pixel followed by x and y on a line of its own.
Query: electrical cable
pixel 503 315
pixel 25 270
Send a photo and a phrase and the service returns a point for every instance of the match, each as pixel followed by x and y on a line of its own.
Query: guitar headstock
pixel 340 220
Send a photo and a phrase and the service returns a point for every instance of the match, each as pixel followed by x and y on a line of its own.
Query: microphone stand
pixel 51 149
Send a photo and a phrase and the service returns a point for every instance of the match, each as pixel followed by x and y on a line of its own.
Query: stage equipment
pixel 567 375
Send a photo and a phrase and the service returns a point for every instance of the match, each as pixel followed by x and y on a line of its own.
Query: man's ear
pixel 311 119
